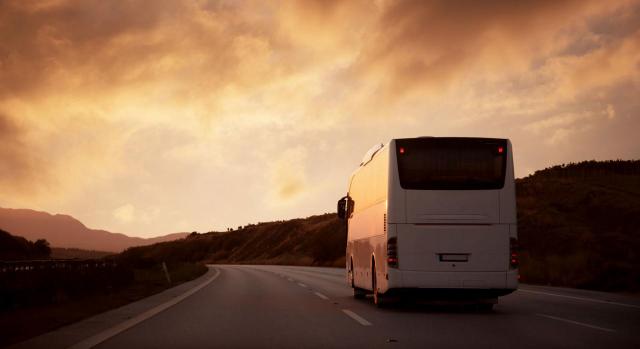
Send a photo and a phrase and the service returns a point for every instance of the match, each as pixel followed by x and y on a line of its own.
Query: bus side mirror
pixel 342 208
pixel 345 207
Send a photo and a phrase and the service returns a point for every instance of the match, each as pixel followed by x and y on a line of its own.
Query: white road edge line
pixel 108 333
pixel 362 321
pixel 321 296
pixel 577 323
pixel 582 298
pixel 302 285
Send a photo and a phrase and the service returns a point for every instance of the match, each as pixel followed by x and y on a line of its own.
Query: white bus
pixel 433 217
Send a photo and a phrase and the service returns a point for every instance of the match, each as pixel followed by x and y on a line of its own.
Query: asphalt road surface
pixel 300 307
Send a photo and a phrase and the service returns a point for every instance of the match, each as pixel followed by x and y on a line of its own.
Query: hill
pixel 18 248
pixel 316 240
pixel 67 232
pixel 579 226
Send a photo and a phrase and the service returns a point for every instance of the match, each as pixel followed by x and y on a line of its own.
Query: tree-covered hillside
pixel 19 248
pixel 316 240
pixel 579 225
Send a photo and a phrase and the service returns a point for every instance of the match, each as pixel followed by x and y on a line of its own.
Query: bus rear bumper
pixel 448 295
pixel 456 284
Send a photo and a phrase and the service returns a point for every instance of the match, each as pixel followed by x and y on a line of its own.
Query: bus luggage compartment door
pixel 453 247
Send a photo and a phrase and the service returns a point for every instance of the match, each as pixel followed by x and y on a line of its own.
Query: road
pixel 299 307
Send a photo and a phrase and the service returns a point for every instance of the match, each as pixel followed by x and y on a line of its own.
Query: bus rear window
pixel 451 163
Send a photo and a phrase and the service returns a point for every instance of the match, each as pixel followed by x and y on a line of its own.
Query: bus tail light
pixel 392 252
pixel 513 253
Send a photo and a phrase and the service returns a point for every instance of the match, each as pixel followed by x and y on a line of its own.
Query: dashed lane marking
pixel 321 296
pixel 362 321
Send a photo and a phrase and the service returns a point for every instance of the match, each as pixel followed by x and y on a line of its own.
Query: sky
pixel 153 117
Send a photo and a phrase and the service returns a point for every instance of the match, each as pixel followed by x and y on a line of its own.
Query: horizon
pixel 198 116
pixel 242 226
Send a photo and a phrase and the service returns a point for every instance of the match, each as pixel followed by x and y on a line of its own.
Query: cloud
pixel 188 110
pixel 610 112
pixel 42 42
pixel 603 67
pixel 125 213
pixel 288 177
pixel 181 51
pixel 22 169
pixel 557 121
pixel 430 47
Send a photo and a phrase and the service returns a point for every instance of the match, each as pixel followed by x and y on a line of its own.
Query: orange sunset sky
pixel 151 117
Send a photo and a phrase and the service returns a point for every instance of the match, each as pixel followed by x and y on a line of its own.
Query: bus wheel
pixel 358 293
pixel 484 307
pixel 351 274
pixel 378 299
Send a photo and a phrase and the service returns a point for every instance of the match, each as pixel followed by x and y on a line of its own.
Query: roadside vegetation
pixel 316 240
pixel 39 294
pixel 19 248
pixel 579 225
pixel 71 253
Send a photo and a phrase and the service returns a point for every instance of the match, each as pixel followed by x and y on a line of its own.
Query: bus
pixel 433 217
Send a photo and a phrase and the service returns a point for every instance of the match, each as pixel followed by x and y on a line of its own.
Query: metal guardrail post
pixel 166 272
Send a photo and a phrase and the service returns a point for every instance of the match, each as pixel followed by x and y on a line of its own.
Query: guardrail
pixel 37 282
pixel 55 264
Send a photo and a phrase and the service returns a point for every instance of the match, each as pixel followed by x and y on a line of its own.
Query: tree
pixel 41 248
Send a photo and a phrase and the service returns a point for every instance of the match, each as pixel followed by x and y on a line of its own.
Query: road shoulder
pixel 72 334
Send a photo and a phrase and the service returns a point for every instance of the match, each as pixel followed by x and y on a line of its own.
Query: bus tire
pixel 359 293
pixel 378 298
pixel 485 307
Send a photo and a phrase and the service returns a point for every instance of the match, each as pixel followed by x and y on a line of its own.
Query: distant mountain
pixel 578 225
pixel 66 231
